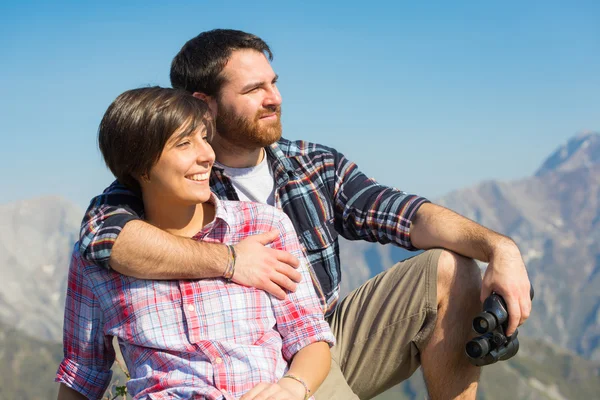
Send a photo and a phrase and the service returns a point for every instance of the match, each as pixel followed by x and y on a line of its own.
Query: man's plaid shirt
pixel 206 338
pixel 323 193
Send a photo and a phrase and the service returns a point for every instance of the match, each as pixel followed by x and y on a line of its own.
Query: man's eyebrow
pixel 252 85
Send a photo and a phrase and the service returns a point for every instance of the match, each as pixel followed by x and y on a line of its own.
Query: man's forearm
pixel 436 226
pixel 144 251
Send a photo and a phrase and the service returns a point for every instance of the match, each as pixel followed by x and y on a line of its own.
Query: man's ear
pixel 210 100
pixel 202 96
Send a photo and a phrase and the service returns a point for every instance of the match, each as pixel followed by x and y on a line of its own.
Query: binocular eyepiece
pixel 493 345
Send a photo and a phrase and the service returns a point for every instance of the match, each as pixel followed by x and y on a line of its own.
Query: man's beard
pixel 246 133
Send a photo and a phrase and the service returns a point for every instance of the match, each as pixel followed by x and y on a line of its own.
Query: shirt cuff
pixel 98 249
pixel 299 338
pixel 89 382
pixel 407 215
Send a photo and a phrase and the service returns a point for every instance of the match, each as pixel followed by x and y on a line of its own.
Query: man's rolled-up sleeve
pixel 367 210
pixel 104 220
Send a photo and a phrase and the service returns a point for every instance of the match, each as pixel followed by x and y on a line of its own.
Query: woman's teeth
pixel 199 177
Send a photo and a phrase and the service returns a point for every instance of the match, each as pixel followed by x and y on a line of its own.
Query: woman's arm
pixel 66 393
pixel 310 365
pixel 308 370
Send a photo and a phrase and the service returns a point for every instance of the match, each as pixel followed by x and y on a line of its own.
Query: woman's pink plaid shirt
pixel 189 339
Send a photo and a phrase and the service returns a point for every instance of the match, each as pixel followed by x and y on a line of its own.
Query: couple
pixel 416 313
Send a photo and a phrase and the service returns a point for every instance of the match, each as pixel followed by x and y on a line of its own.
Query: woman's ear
pixel 145 178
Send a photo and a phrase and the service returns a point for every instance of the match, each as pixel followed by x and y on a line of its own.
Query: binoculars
pixel 493 345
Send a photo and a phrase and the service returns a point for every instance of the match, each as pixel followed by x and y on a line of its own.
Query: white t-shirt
pixel 254 183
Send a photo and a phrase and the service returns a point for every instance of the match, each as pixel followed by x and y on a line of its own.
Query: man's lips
pixel 270 116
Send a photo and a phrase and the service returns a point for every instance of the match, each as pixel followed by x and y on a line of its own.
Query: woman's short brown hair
pixel 138 124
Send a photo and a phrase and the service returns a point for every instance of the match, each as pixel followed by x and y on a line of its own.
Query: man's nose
pixel 273 97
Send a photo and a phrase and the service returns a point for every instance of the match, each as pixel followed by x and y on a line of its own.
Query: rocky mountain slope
pixel 29 366
pixel 554 217
pixel 36 237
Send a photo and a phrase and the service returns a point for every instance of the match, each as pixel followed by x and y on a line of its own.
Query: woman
pixel 210 338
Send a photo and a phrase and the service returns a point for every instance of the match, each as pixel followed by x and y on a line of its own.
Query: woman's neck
pixel 176 218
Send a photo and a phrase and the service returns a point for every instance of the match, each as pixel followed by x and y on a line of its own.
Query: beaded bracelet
pixel 233 258
pixel 230 269
pixel 298 379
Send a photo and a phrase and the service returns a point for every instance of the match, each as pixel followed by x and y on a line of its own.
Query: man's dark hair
pixel 138 124
pixel 198 65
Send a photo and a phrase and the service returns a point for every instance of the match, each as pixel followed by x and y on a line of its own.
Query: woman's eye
pixel 183 144
pixel 205 138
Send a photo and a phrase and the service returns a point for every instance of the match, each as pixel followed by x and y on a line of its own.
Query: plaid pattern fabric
pixel 208 338
pixel 323 193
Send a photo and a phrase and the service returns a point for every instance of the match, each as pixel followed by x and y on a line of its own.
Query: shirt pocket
pixel 230 313
pixel 321 245
pixel 152 315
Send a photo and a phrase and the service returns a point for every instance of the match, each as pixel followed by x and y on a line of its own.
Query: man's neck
pixel 234 156
pixel 178 219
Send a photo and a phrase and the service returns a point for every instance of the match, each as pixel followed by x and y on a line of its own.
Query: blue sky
pixel 425 96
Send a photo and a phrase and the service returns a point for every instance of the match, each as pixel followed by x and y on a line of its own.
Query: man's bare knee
pixel 457 274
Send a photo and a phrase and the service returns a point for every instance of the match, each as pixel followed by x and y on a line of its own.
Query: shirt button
pixel 191 308
pixel 218 360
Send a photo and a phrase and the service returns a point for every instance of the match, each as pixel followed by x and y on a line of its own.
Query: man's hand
pixel 507 276
pixel 271 270
pixel 272 391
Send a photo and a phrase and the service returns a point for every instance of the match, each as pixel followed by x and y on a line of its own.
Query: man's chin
pixel 270 140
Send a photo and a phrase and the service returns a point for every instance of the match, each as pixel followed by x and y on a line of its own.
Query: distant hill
pixel 555 219
pixel 36 237
pixel 28 366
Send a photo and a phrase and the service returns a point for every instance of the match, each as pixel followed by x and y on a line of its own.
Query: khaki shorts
pixel 380 328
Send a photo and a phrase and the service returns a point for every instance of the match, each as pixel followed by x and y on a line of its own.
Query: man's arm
pixel 365 209
pixel 144 251
pixel 436 226
pixel 113 235
pixel 369 211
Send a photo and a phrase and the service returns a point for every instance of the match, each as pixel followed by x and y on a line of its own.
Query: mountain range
pixel 554 217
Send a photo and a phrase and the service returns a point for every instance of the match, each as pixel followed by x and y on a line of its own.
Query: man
pixel 416 313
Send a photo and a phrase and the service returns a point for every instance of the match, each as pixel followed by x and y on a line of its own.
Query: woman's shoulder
pixel 249 210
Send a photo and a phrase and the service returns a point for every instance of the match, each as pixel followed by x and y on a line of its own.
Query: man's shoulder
pixel 303 148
